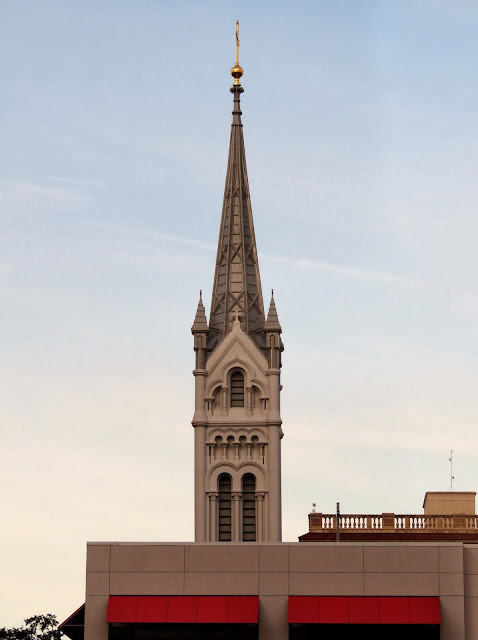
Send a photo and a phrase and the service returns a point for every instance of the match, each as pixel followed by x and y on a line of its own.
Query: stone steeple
pixel 237 422
pixel 237 283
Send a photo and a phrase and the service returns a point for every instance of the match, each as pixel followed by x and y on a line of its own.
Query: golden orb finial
pixel 237 72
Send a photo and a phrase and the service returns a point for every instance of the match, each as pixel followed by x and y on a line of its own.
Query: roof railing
pixel 320 522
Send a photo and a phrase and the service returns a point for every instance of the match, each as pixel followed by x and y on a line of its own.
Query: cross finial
pixel 236 71
pixel 237 43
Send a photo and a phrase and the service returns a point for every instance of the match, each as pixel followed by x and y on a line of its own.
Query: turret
pixel 273 330
pixel 200 331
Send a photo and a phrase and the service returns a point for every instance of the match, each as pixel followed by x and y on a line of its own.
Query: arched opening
pixel 224 486
pixel 248 508
pixel 216 400
pixel 237 389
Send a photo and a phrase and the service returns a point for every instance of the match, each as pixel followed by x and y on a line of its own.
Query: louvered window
pixel 225 507
pixel 249 508
pixel 237 389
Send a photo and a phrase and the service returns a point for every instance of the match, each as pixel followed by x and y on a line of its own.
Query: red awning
pixel 364 610
pixel 184 609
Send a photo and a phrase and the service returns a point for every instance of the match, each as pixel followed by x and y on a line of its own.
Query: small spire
pixel 272 322
pixel 237 72
pixel 200 321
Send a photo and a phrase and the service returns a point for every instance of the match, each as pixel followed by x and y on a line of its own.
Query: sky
pixel 361 132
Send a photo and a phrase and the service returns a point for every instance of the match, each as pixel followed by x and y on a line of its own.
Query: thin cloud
pixel 150 234
pixel 348 272
pixel 298 263
pixel 190 242
pixel 25 195
pixel 80 181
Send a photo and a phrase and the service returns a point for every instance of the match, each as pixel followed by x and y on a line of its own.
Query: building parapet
pixel 393 523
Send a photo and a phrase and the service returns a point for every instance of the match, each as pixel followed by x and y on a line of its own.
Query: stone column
pixel 199 422
pixel 212 516
pixel 200 506
pixel 274 533
pixel 236 516
pixel 249 401
pixel 224 400
pixel 199 396
pixel 259 517
pixel 274 496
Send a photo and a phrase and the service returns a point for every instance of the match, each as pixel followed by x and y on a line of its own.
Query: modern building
pixel 367 576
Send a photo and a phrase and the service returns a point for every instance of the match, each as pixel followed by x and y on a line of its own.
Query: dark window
pixel 249 508
pixel 369 631
pixel 237 389
pixel 198 631
pixel 225 507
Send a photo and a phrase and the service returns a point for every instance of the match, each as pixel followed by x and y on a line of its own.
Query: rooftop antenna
pixel 452 477
pixel 337 523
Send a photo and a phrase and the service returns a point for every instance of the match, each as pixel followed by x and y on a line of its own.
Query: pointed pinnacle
pixel 272 322
pixel 200 321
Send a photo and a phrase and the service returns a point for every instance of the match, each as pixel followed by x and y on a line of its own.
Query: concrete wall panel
pixel 221 583
pixel 273 584
pixel 95 616
pixel 97 583
pixel 470 559
pixel 147 583
pixel 401 584
pixel 390 559
pixel 471 586
pixel 325 584
pixel 222 557
pixel 450 559
pixel 452 618
pixel 147 557
pixel 318 559
pixel 273 558
pixel 98 557
pixel 471 618
pixel 451 584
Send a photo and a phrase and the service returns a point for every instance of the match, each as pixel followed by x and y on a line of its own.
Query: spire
pixel 237 283
pixel 200 321
pixel 272 322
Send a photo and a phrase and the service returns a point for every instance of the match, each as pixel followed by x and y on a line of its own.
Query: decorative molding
pixel 236 432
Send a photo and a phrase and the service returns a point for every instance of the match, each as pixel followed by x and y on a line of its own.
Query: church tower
pixel 237 423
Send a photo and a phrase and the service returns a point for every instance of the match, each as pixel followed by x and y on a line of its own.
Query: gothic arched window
pixel 237 389
pixel 248 508
pixel 224 486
